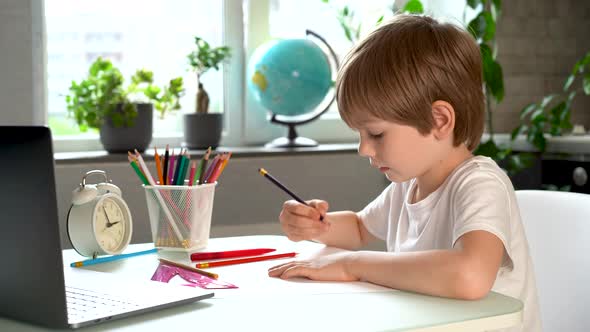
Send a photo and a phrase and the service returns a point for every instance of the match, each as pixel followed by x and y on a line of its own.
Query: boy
pixel 413 91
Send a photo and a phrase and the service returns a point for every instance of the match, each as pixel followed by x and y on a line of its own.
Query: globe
pixel 291 79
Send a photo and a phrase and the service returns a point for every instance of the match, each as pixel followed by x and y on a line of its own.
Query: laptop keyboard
pixel 83 303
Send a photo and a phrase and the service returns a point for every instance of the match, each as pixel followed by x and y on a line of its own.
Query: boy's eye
pixel 376 136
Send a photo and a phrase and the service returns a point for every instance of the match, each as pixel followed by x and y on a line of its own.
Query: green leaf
pixel 496 8
pixel 538 140
pixel 520 161
pixel 473 3
pixel 527 110
pixel 413 7
pixel 488 149
pixel 517 131
pixel 586 83
pixel 568 82
pixel 503 153
pixel 556 111
pixel 483 26
pixel 549 187
pixel 347 32
pixel 143 76
pixel 117 119
pixel 492 74
pixel 538 116
pixel 380 20
pixel 547 100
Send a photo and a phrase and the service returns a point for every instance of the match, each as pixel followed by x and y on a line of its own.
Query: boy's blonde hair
pixel 405 65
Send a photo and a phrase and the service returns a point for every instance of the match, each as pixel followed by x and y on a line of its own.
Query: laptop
pixel 34 285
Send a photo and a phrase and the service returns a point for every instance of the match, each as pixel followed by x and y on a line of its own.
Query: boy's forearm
pixel 344 231
pixel 444 273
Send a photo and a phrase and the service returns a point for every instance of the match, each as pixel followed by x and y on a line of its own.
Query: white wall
pixel 245 202
pixel 22 59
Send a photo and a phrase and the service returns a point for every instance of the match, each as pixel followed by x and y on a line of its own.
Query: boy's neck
pixel 428 182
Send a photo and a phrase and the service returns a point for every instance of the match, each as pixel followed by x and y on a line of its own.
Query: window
pixel 158 34
pixel 133 34
pixel 271 19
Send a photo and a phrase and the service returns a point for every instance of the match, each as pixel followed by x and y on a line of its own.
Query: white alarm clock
pixel 99 220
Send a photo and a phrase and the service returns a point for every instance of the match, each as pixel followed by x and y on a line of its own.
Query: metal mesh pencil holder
pixel 180 216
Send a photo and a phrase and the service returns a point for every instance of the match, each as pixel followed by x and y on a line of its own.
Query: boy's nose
pixel 365 150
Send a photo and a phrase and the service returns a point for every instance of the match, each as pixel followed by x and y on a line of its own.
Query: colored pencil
pixel 221 167
pixel 132 156
pixel 166 159
pixel 224 164
pixel 213 175
pixel 190 268
pixel 210 169
pixel 179 161
pixel 111 258
pixel 199 256
pixel 171 168
pixel 191 177
pixel 135 167
pixel 199 170
pixel 158 165
pixel 204 165
pixel 185 165
pixel 282 186
pixel 244 260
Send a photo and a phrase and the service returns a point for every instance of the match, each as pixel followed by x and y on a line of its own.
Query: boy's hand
pixel 327 268
pixel 300 222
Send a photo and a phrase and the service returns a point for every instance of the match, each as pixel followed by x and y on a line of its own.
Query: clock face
pixel 111 225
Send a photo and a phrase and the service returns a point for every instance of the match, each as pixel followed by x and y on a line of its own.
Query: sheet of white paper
pixel 253 279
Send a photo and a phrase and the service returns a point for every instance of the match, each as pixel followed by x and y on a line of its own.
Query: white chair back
pixel 557 226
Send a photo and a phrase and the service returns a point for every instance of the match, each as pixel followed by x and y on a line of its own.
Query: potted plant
pixel 100 101
pixel 201 128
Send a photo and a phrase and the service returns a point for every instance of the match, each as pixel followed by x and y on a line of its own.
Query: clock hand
pixel 109 223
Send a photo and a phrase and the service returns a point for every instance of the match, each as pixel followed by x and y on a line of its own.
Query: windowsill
pixel 568 144
pixel 237 152
pixel 575 145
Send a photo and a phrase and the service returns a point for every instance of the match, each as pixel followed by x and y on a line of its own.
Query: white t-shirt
pixel 477 195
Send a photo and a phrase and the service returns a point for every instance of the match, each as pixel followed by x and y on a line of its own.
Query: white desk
pixel 269 304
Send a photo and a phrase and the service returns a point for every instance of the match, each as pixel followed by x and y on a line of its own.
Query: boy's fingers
pixel 303 210
pixel 319 204
pixel 295 270
pixel 278 270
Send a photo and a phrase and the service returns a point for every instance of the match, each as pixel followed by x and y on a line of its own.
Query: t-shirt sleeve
pixel 375 215
pixel 482 202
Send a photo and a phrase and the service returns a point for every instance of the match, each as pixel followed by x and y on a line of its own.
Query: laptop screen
pixel 32 281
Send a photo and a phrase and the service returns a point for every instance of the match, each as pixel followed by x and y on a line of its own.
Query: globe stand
pixel 292 140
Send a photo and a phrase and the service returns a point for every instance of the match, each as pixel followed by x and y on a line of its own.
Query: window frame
pixel 245 122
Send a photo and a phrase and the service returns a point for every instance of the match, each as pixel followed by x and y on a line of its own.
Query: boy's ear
pixel 443 114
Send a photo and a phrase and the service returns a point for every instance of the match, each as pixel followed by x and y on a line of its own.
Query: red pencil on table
pixel 199 256
pixel 244 260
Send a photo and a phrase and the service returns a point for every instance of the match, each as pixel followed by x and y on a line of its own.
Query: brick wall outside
pixel 539 41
